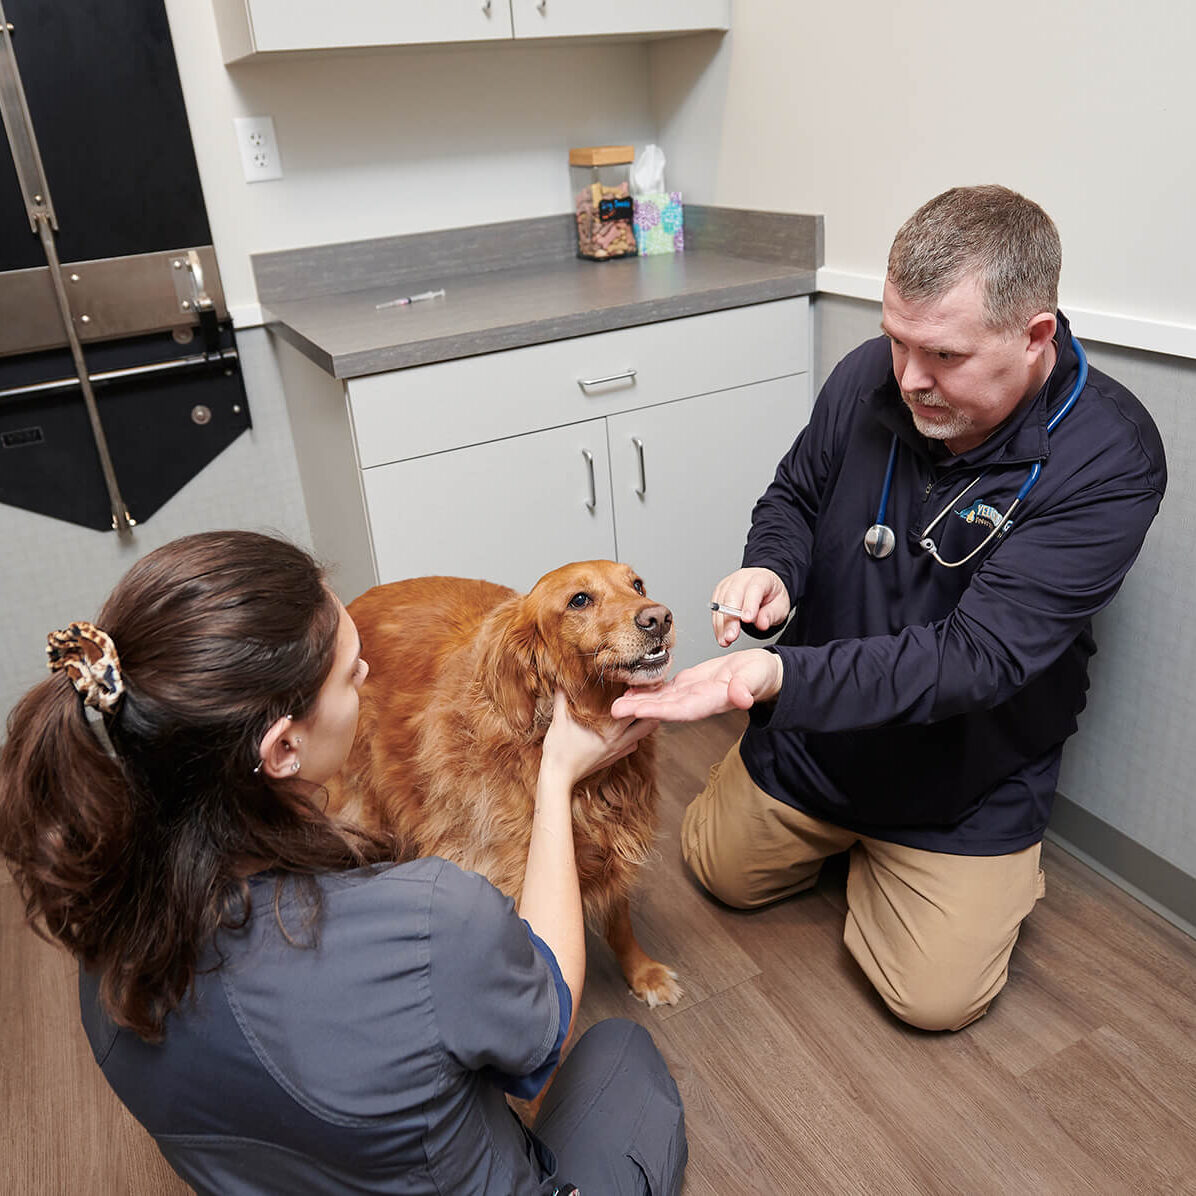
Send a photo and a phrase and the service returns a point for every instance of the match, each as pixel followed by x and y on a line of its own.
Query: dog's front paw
pixel 655 984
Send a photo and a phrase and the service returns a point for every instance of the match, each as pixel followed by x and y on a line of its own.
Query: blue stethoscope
pixel 879 539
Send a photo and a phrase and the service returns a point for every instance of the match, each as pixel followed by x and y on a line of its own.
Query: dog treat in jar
pixel 602 200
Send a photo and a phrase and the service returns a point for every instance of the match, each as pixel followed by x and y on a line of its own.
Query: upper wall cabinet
pixel 252 28
pixel 586 18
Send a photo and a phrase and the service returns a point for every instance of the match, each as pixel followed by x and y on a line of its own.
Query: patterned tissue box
pixel 659 222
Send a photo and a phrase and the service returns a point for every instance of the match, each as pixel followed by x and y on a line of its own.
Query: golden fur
pixel 453 715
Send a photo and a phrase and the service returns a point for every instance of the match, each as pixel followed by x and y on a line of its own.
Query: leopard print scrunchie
pixel 89 657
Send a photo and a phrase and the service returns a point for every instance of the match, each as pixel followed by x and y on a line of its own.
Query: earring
pixel 259 767
pixel 294 766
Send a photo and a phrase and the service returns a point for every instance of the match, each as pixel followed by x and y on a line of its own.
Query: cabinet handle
pixel 486 7
pixel 584 382
pixel 593 503
pixel 642 488
pixel 543 6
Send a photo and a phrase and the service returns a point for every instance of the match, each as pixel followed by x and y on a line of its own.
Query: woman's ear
pixel 279 750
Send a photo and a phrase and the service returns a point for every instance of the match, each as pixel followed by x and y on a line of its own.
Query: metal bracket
pixel 111 298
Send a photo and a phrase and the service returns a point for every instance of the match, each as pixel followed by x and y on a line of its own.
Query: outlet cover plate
pixel 259 148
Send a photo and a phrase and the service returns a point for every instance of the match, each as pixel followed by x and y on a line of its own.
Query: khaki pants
pixel 933 932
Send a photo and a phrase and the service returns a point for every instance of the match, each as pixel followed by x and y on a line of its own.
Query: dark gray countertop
pixel 507 287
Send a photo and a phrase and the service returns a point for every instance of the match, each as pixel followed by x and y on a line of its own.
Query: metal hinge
pixel 193 297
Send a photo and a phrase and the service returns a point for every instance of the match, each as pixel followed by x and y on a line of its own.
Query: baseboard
pixel 1154 881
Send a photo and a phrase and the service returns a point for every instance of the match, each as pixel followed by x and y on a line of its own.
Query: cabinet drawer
pixel 452 404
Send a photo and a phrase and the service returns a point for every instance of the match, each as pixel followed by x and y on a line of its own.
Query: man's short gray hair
pixel 1005 240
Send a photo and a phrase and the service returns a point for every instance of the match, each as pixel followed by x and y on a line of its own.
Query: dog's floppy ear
pixel 509 665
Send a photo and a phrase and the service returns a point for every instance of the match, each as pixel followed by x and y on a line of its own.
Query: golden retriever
pixel 454 711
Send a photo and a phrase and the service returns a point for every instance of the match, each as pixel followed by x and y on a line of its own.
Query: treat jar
pixel 600 177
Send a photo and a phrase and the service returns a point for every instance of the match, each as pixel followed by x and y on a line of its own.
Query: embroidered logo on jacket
pixel 980 512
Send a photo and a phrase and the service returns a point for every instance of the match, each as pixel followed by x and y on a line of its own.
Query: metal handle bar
pixel 593 503
pixel 194 361
pixel 584 382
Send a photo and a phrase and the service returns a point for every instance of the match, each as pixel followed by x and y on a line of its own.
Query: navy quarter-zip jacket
pixel 927 705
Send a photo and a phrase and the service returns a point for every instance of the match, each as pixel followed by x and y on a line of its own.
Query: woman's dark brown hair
pixel 135 863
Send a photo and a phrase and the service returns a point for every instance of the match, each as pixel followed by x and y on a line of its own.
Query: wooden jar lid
pixel 601 155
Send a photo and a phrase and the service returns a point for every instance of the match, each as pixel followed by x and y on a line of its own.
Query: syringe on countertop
pixel 409 299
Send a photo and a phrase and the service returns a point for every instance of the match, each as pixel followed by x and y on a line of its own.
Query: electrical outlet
pixel 259 148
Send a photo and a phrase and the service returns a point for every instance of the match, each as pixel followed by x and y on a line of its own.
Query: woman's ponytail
pixel 65 815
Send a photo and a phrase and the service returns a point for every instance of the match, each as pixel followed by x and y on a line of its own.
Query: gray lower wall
pixel 1126 785
pixel 55 572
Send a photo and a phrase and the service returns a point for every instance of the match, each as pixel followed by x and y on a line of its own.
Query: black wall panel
pixel 104 96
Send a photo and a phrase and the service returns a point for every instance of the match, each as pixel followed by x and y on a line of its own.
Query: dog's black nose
pixel 654 618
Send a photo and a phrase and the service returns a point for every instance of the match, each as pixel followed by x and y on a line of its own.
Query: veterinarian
pixel 966 497
pixel 282 1007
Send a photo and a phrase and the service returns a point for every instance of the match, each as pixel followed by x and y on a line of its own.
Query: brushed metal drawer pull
pixel 584 382
pixel 593 503
pixel 642 488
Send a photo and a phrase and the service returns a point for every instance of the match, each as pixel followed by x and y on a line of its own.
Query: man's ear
pixel 1041 329
pixel 278 750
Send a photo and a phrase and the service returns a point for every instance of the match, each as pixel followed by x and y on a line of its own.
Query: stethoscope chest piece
pixel 879 541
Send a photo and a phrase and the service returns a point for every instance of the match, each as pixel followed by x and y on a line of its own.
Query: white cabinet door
pixel 264 26
pixel 577 18
pixel 705 462
pixel 507 511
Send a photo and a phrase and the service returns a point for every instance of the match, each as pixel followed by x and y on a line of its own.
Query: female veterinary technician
pixel 281 1011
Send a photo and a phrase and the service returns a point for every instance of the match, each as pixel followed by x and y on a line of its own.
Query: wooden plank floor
pixel 1081 1078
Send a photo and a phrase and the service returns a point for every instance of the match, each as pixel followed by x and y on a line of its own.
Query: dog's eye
pixel 638 586
pixel 580 600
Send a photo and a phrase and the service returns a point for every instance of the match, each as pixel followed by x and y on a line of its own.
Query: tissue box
pixel 659 222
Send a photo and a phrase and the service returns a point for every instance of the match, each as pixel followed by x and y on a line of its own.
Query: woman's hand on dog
pixel 575 751
pixel 733 682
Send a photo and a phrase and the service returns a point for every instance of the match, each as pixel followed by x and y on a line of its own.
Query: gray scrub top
pixel 375 1061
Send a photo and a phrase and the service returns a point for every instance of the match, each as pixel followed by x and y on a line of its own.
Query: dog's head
pixel 588 628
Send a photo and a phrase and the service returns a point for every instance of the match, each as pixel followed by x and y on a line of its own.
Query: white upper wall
pixel 398 141
pixel 859 111
pixel 862 110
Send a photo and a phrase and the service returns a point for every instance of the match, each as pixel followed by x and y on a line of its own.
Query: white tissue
pixel 647 171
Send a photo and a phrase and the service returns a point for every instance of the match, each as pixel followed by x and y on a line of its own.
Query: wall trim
pixel 1154 881
pixel 1154 336
pixel 246 315
pixel 852 286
